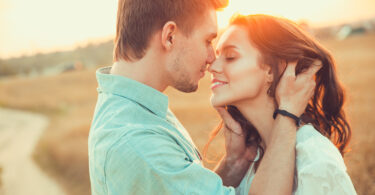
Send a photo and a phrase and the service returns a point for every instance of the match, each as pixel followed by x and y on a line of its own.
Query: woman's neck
pixel 259 112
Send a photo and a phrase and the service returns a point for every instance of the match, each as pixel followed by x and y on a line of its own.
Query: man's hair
pixel 138 20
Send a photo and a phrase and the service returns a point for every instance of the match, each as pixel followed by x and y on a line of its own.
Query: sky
pixel 29 27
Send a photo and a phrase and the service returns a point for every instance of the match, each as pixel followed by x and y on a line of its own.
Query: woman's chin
pixel 216 102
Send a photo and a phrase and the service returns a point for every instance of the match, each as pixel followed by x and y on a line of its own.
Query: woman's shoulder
pixel 320 166
pixel 313 148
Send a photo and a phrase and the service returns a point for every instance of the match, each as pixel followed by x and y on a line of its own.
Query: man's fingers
pixel 221 111
pixel 228 120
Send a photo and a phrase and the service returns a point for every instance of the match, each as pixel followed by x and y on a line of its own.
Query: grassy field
pixel 1 181
pixel 69 99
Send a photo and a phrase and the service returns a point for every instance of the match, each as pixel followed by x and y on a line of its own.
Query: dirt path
pixel 19 133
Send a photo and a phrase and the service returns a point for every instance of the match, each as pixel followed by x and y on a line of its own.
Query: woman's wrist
pixel 283 112
pixel 290 108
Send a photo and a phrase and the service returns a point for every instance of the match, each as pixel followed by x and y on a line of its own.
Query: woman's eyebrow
pixel 226 47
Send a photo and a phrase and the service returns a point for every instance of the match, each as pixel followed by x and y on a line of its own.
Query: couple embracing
pixel 275 88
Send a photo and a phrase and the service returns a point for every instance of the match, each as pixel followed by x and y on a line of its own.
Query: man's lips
pixel 217 83
pixel 203 70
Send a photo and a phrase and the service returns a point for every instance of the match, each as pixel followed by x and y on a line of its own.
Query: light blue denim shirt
pixel 137 146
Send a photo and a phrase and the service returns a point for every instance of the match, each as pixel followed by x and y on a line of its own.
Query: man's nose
pixel 211 55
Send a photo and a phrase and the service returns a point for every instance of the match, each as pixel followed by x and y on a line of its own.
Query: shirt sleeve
pixel 324 177
pixel 152 163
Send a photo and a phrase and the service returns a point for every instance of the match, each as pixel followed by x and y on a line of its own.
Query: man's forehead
pixel 214 20
pixel 210 22
pixel 206 25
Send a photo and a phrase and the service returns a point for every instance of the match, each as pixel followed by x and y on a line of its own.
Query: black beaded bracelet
pixel 288 114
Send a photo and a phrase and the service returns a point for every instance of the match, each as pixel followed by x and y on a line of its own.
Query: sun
pixel 316 12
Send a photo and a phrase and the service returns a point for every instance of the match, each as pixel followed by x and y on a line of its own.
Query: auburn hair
pixel 280 40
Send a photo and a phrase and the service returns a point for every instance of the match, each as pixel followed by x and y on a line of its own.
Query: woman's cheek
pixel 248 87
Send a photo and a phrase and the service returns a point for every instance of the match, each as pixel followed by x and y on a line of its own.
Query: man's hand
pixel 294 92
pixel 235 146
pixel 238 157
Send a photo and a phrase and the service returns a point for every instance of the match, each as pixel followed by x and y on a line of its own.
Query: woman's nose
pixel 215 66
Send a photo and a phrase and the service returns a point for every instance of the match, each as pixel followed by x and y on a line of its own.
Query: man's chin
pixel 187 88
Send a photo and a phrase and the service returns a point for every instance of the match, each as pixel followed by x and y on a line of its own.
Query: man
pixel 136 144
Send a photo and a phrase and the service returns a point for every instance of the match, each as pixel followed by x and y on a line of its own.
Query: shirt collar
pixel 148 97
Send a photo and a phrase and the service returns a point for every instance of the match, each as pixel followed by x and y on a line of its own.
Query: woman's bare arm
pixel 276 171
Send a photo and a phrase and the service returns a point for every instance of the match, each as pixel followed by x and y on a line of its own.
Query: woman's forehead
pixel 234 36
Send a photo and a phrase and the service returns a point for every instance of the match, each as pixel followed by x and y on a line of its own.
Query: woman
pixel 252 55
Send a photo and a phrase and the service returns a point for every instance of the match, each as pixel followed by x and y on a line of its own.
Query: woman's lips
pixel 217 83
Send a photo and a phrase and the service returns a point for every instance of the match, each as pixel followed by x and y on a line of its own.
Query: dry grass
pixel 356 67
pixel 69 101
pixel 1 181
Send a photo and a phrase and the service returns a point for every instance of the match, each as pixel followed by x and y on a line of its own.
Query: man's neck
pixel 145 71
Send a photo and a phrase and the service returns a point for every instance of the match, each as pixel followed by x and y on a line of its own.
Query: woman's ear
pixel 168 35
pixel 269 73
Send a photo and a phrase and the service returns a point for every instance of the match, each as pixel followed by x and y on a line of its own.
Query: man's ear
pixel 168 35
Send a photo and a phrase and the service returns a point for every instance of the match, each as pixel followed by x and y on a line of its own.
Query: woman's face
pixel 236 74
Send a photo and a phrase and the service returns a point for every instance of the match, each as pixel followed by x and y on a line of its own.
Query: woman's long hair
pixel 280 40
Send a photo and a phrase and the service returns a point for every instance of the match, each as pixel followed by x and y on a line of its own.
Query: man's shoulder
pixel 147 146
pixel 122 119
pixel 131 134
pixel 128 141
pixel 144 134
pixel 114 135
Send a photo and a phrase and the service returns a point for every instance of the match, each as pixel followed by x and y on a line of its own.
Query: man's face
pixel 193 53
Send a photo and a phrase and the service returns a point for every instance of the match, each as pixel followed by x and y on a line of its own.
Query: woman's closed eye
pixel 230 56
pixel 229 59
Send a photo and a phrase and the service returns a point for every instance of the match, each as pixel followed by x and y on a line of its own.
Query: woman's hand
pixel 276 171
pixel 294 92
